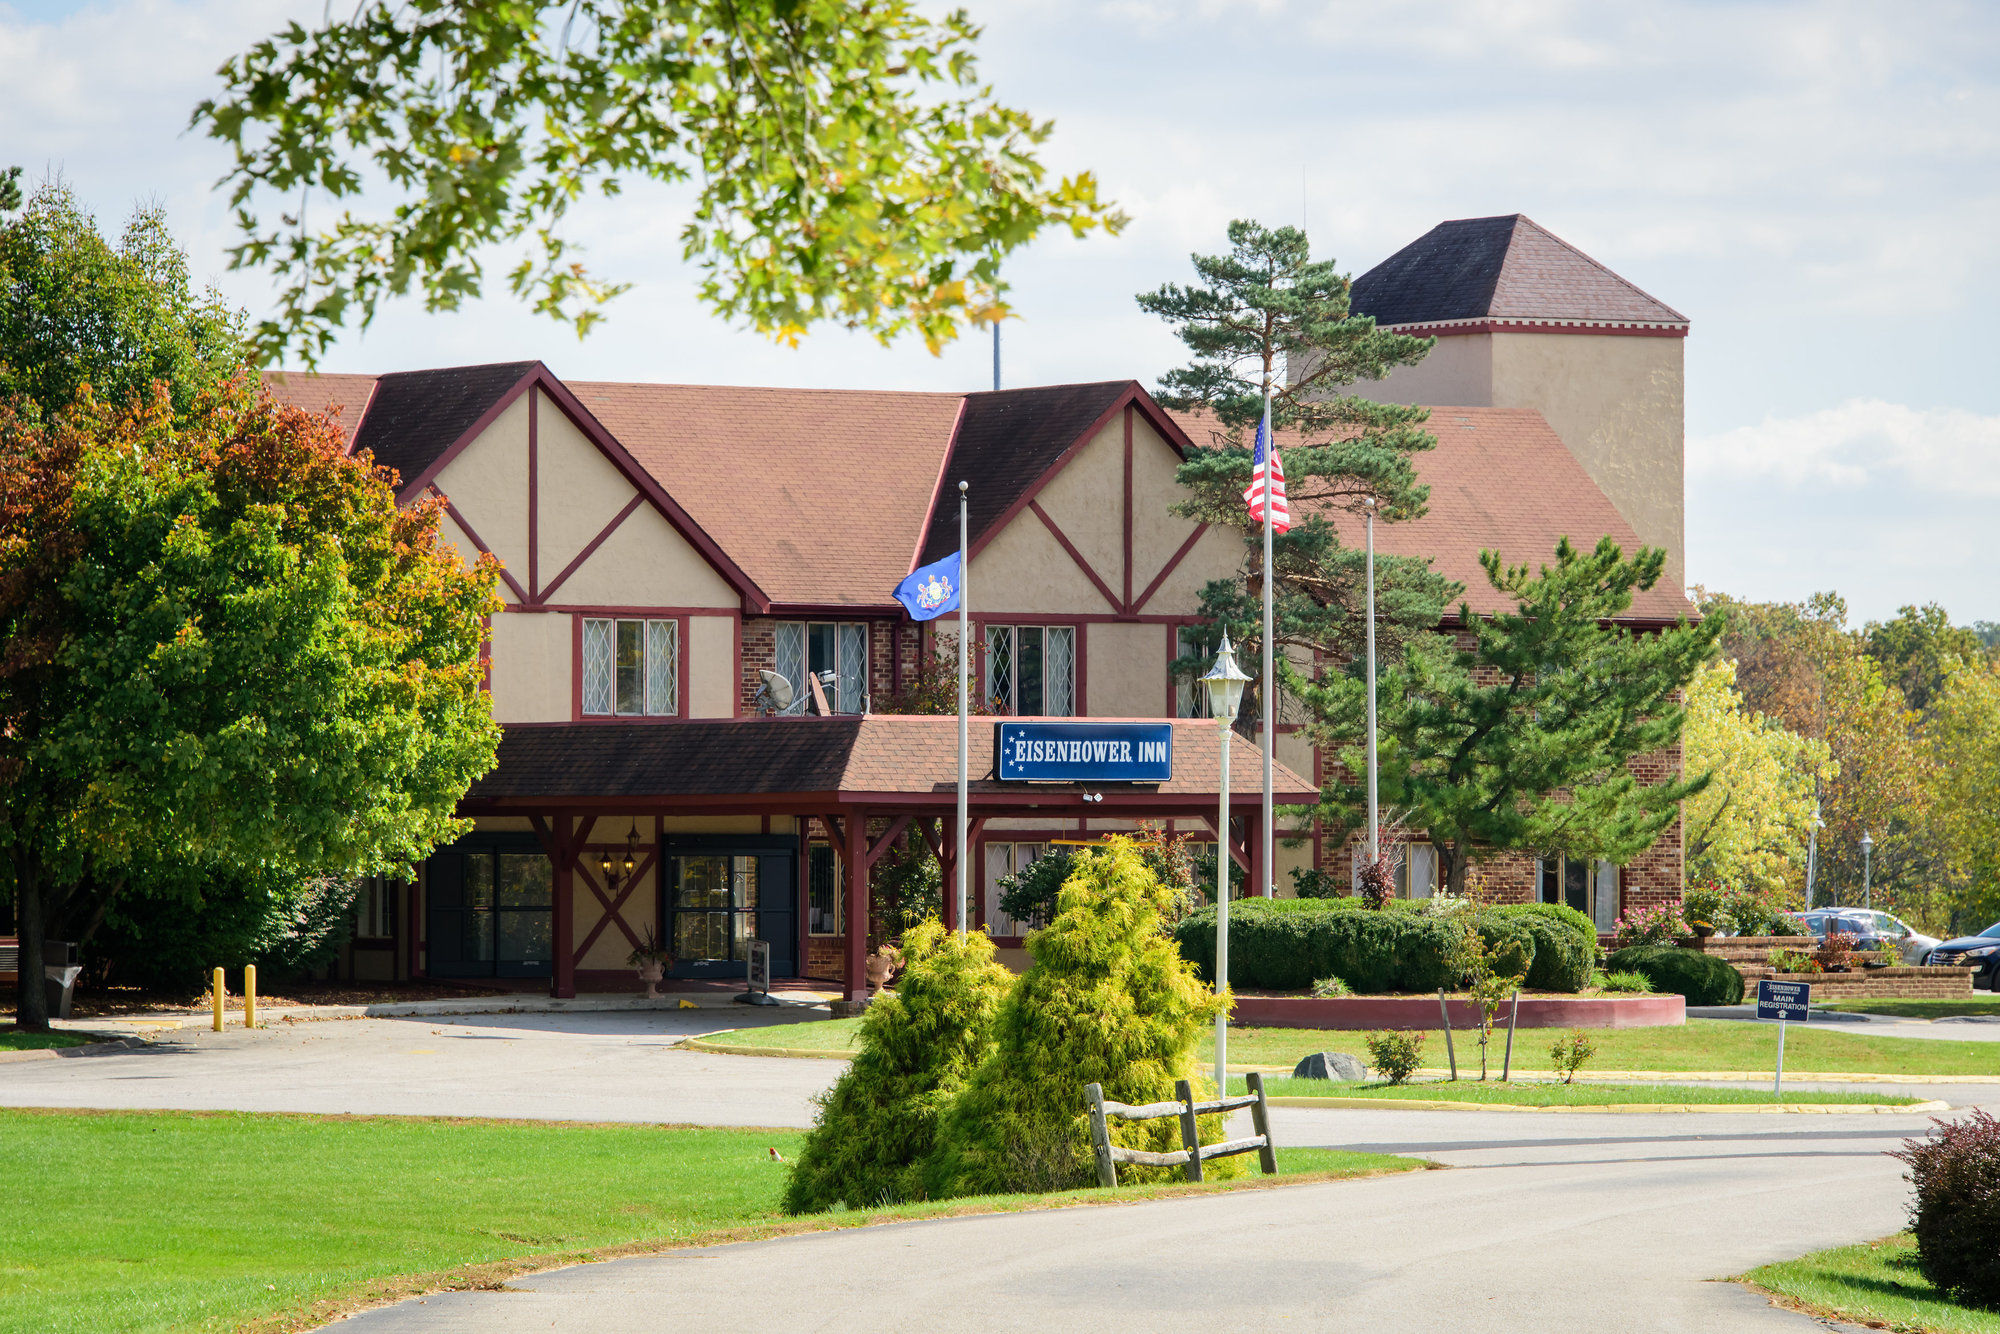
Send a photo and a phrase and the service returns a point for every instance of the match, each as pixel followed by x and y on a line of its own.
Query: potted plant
pixel 1835 951
pixel 652 959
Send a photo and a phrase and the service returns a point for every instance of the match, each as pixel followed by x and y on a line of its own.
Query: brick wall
pixel 760 654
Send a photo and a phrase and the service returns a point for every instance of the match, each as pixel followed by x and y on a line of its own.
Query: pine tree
pixel 1524 740
pixel 1267 313
pixel 1109 1001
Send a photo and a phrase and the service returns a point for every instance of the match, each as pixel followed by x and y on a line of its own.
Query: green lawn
pixel 1521 1094
pixel 1698 1045
pixel 175 1221
pixel 1919 1007
pixel 13 1039
pixel 1877 1283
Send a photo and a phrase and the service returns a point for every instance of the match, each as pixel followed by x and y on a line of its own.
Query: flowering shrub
pixel 1570 1053
pixel 1658 925
pixel 1835 951
pixel 1793 961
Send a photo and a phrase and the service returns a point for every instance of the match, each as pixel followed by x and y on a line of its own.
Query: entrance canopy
pixel 867 780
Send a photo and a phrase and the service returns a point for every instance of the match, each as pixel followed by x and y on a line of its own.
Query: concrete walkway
pixel 1546 1223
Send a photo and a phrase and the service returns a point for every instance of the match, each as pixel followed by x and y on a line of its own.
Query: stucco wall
pixel 531 659
pixel 711 650
pixel 1128 670
pixel 488 484
pixel 1457 371
pixel 1617 402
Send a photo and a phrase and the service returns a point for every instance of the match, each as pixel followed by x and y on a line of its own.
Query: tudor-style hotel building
pixel 649 578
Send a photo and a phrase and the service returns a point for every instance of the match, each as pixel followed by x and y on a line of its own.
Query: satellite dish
pixel 777 690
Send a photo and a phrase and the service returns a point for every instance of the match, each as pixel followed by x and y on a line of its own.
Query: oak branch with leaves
pixel 848 164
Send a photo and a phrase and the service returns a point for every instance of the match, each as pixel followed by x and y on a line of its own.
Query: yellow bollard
pixel 215 991
pixel 249 995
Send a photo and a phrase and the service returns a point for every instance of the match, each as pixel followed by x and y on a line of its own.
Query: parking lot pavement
pixel 619 1066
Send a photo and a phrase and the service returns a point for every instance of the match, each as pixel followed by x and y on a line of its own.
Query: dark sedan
pixel 1981 951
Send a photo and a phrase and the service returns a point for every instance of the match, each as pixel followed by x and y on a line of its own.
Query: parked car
pixel 1871 930
pixel 1981 951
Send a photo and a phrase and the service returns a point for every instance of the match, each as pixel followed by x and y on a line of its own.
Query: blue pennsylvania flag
pixel 931 591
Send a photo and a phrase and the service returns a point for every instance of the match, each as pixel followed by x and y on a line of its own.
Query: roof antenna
pixel 996 356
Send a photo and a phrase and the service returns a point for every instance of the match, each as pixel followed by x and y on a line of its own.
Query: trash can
pixel 60 979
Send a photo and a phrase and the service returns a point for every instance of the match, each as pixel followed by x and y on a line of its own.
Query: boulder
pixel 1331 1065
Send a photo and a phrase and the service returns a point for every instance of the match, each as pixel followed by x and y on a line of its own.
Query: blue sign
pixel 1084 752
pixel 1784 1000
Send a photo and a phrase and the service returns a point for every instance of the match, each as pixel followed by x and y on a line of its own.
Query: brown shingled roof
pixel 819 494
pixel 881 758
pixel 1507 267
pixel 1500 478
pixel 344 397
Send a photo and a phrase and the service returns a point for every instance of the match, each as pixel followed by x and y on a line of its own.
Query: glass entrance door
pixel 490 909
pixel 718 897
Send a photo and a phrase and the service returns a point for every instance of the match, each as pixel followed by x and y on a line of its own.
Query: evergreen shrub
pixel 918 1043
pixel 1286 944
pixel 1108 1001
pixel 1955 1215
pixel 1702 978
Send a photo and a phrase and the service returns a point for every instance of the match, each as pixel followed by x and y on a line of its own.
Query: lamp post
pixel 1812 853
pixel 1224 683
pixel 1867 892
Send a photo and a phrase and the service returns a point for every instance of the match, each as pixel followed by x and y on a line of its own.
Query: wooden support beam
pixel 563 906
pixel 887 841
pixel 857 907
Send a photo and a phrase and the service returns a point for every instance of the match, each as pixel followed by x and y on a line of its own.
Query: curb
pixel 733 1049
pixel 1623 1108
pixel 103 1048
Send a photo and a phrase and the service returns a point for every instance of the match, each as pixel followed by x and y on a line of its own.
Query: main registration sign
pixel 1084 752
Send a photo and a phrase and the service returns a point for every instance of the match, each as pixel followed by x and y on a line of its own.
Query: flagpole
pixel 1374 818
pixel 1266 865
pixel 964 568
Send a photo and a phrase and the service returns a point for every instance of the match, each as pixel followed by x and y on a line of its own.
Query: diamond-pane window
pixel 597 666
pixel 1000 666
pixel 1031 669
pixel 631 668
pixel 802 649
pixel 852 668
pixel 1059 672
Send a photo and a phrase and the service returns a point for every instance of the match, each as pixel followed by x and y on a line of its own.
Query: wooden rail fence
pixel 1192 1153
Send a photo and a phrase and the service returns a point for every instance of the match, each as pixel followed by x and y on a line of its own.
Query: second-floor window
pixel 1031 669
pixel 1190 695
pixel 631 667
pixel 822 647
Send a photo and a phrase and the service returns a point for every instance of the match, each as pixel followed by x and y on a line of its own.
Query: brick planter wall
pixel 1871 983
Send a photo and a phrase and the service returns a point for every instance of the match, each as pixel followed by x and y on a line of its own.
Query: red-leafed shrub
pixel 1956 1213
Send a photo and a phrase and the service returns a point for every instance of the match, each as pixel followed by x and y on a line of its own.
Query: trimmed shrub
pixel 1288 944
pixel 1108 1002
pixel 1702 978
pixel 1637 984
pixel 918 1045
pixel 1956 1213
pixel 1565 945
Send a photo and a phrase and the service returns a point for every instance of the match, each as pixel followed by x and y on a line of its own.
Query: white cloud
pixel 1863 443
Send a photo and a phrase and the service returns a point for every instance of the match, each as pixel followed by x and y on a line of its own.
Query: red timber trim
pixel 613 908
pixel 480 542
pixel 564 843
pixel 684 669
pixel 833 611
pixel 1126 606
pixel 854 837
pixel 534 499
pixel 1173 563
pixel 589 548
pixel 887 841
pixel 1135 396
pixel 539 376
pixel 1062 538
pixel 1504 324
pixel 937 487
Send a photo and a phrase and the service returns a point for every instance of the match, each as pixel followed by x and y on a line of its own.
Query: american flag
pixel 1253 494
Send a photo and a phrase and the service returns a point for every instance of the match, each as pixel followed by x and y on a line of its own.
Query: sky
pixel 1815 185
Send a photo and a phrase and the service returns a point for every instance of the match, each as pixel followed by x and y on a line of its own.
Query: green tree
pixel 1747 829
pixel 918 1044
pixel 1800 664
pixel 1918 649
pixel 76 310
pixel 1962 735
pixel 1268 314
pixel 1525 739
pixel 221 643
pixel 1109 1001
pixel 845 161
